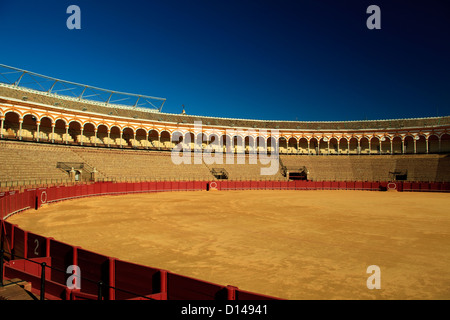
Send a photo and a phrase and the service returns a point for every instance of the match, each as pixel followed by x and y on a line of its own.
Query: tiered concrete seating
pixel 25 161
pixel 240 167
pixel 372 168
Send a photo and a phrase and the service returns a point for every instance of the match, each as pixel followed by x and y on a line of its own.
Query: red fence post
pixel 112 278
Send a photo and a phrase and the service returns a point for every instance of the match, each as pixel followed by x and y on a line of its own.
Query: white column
pixel 109 137
pixel 53 132
pixel 403 146
pixel 146 138
pixel 20 128
pixel 328 147
pixel 2 119
pixel 95 136
pixel 81 136
pixel 67 134
pixel 121 135
pixel 427 143
pixel 38 124
pixel 415 146
pixel 392 146
pixel 370 146
pixel 359 147
pixel 308 147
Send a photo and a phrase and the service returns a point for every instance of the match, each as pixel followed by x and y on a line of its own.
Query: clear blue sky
pixel 280 60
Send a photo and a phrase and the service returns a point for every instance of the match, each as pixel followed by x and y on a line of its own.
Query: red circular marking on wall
pixel 44 197
pixel 390 184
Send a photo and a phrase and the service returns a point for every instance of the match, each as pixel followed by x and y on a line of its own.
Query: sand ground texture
pixel 289 244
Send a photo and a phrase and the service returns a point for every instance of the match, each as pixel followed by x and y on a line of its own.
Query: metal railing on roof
pixel 65 89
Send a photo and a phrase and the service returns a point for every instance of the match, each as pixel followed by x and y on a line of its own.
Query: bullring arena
pixel 94 184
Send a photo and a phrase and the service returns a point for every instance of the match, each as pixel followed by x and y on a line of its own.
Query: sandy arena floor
pixel 289 244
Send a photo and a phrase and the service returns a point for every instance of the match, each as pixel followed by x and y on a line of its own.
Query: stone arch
pixel 153 138
pixel 261 144
pixel 45 129
pixel 102 134
pixel 364 145
pixel 88 136
pixel 303 145
pixel 128 137
pixel 115 135
pixel 421 144
pixel 408 143
pixel 333 143
pixel 29 126
pixel 323 145
pixel 250 144
pixel 343 145
pixel 74 131
pixel 201 141
pixel 396 145
pixel 385 145
pixel 238 143
pixel 282 144
pixel 375 146
pixel 292 145
pixel 445 143
pixel 165 139
pixel 353 145
pixel 433 143
pixel 313 145
pixel 60 132
pixel 141 138
pixel 214 142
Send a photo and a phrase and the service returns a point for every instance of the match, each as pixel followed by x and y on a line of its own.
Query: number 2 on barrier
pixel 36 252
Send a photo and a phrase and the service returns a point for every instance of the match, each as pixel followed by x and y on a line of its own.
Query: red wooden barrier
pixel 199 185
pixel 190 185
pixel 367 186
pixel 183 288
pixel 94 267
pixel 415 186
pixel 62 256
pixel 152 186
pixel 8 237
pixel 38 246
pixel 434 186
pixel 20 243
pixel 138 279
